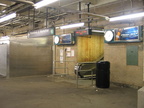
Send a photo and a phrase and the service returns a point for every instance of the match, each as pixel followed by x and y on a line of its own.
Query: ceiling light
pixel 72 25
pixel 7 17
pixel 5 38
pixel 98 31
pixel 57 27
pixel 127 17
pixel 43 3
pixel 3 11
pixel 1 4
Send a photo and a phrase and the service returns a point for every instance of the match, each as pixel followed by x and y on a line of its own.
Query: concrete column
pixel 140 103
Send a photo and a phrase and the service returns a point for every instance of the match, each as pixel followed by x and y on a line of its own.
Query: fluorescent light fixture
pixel 131 16
pixel 7 17
pixel 43 3
pixel 57 27
pixel 4 11
pixel 98 31
pixel 72 25
pixel 4 38
pixel 1 4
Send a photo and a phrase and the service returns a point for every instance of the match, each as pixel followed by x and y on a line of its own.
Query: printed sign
pixel 42 33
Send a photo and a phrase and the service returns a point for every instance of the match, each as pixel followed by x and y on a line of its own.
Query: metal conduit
pixel 23 1
pixel 72 3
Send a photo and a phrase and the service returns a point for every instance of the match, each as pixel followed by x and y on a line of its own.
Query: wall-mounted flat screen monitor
pixel 65 39
pixel 127 34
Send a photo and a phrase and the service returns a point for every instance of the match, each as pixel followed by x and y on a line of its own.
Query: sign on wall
pixel 128 34
pixel 83 32
pixel 64 39
pixel 41 33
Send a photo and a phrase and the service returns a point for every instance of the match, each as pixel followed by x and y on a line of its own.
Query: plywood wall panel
pixel 90 48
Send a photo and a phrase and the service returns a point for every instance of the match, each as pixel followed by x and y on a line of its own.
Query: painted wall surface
pixel 65 59
pixel 120 72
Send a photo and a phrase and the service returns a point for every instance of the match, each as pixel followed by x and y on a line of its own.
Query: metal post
pixel 80 10
pixel 47 17
pixel 34 16
pixel 54 57
pixel 92 77
pixel 29 22
pixel 88 5
pixel 65 61
pixel 77 77
pixel 8 61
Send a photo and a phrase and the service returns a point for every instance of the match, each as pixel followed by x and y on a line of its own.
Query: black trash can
pixel 103 74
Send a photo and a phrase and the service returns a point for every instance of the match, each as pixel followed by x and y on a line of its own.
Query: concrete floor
pixel 48 92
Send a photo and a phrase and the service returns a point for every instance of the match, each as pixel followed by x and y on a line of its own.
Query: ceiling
pixel 27 14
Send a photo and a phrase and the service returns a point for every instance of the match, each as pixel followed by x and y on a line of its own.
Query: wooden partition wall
pixel 90 48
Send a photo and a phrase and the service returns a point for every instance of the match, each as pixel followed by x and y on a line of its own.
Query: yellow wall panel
pixel 90 48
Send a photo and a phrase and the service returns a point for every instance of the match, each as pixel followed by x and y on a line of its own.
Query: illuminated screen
pixel 83 32
pixel 127 34
pixel 66 39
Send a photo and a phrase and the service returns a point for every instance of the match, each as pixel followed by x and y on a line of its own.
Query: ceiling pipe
pixel 23 1
pixel 92 14
pixel 9 23
pixel 80 10
pixel 88 10
pixel 11 9
pixel 72 3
